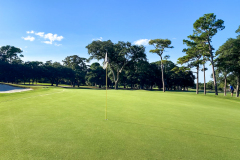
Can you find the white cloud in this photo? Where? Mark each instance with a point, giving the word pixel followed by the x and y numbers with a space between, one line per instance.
pixel 41 34
pixel 97 39
pixel 25 46
pixel 28 38
pixel 28 32
pixel 57 44
pixel 47 42
pixel 141 42
pixel 49 37
pixel 52 37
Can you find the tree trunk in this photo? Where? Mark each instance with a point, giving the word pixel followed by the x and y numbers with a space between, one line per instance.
pixel 214 80
pixel 237 89
pixel 212 63
pixel 204 79
pixel 116 85
pixel 162 76
pixel 52 81
pixel 115 78
pixel 225 85
pixel 197 80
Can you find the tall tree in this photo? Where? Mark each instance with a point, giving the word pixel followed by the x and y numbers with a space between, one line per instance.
pixel 96 75
pixel 229 59
pixel 9 53
pixel 206 27
pixel 78 65
pixel 160 45
pixel 193 57
pixel 119 54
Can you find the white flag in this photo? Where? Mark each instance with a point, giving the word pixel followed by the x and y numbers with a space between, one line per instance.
pixel 105 62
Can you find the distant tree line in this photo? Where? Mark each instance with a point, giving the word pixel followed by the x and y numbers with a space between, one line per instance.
pixel 128 68
pixel 128 65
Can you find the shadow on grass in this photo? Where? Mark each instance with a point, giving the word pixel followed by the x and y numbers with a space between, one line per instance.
pixel 129 89
pixel 110 88
pixel 201 91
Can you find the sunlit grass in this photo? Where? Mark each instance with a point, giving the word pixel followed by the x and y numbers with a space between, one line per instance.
pixel 65 123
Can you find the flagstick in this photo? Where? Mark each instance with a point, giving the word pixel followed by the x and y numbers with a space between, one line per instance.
pixel 106 97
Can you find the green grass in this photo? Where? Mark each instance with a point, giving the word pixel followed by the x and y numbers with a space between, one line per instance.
pixel 58 123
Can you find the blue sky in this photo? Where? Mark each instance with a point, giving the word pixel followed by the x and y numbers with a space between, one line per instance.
pixel 64 28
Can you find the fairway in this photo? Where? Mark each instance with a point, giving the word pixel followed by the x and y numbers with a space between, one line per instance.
pixel 59 123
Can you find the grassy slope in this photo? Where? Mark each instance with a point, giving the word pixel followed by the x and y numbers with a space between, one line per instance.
pixel 53 123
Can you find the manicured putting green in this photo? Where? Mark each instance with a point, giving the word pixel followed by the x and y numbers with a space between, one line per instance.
pixel 56 123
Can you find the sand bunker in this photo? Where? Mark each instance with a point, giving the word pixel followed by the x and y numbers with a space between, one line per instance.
pixel 11 89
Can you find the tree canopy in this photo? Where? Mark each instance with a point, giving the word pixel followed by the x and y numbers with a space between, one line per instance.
pixel 160 45
pixel 119 54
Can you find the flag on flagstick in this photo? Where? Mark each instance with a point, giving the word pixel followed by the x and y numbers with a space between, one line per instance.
pixel 105 61
pixel 105 67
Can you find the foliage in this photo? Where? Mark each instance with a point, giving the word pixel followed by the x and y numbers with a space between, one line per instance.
pixel 10 53
pixel 205 28
pixel 119 54
pixel 160 45
pixel 78 65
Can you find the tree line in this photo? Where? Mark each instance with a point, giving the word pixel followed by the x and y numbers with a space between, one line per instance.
pixel 128 65
pixel 129 68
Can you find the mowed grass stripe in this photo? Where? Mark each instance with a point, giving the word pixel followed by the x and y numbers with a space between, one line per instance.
pixel 141 125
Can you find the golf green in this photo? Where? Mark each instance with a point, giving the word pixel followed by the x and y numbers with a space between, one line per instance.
pixel 58 123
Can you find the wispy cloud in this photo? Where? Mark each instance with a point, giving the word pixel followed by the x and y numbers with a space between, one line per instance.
pixel 28 32
pixel 49 37
pixel 47 42
pixel 41 34
pixel 57 44
pixel 28 38
pixel 97 39
pixel 143 42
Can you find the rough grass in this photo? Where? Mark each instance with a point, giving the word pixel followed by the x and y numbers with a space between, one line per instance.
pixel 58 123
